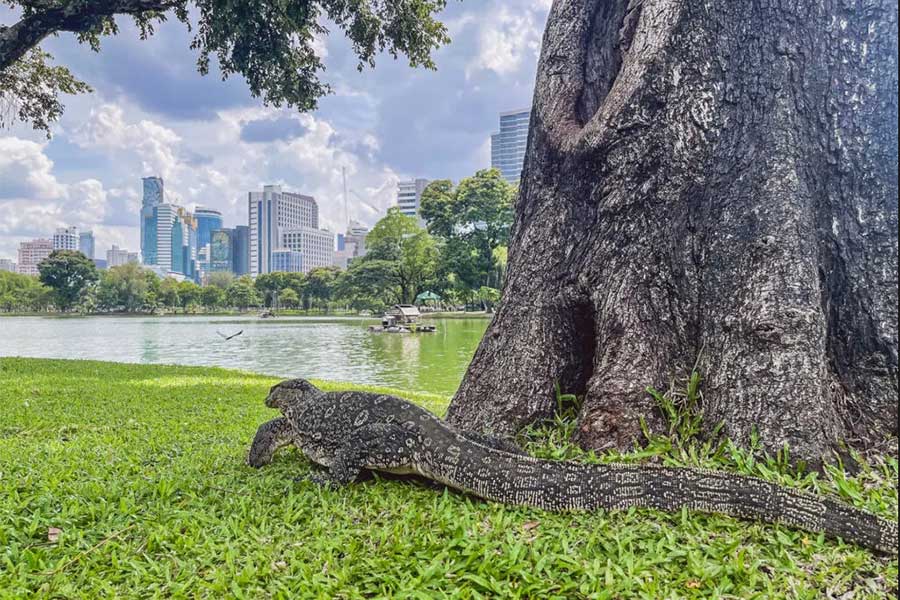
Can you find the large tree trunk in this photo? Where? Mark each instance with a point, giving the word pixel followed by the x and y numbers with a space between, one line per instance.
pixel 712 179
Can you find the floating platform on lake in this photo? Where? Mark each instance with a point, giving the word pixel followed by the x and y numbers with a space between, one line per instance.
pixel 391 329
pixel 399 329
pixel 402 318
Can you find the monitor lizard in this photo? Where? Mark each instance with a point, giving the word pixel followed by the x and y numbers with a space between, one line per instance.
pixel 348 432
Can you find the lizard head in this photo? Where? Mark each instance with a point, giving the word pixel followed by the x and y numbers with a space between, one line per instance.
pixel 290 392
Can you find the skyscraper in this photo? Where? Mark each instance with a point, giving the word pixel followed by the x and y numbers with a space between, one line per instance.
pixel 86 243
pixel 159 223
pixel 184 243
pixel 154 195
pixel 7 265
pixel 229 250
pixel 509 144
pixel 241 242
pixel 31 253
pixel 168 233
pixel 208 219
pixel 66 238
pixel 154 191
pixel 409 196
pixel 282 221
pixel 221 253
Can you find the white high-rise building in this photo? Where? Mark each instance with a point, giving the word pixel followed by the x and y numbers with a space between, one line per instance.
pixel 509 144
pixel 275 213
pixel 316 246
pixel 7 265
pixel 66 238
pixel 31 253
pixel 165 221
pixel 409 196
pixel 116 257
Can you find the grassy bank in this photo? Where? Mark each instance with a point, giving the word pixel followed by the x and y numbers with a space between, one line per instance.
pixel 141 469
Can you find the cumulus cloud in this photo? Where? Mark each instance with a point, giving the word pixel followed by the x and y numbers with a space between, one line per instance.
pixel 507 38
pixel 86 202
pixel 25 172
pixel 154 144
pixel 34 202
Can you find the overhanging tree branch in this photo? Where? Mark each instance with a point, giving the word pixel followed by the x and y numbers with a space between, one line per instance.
pixel 44 18
pixel 271 44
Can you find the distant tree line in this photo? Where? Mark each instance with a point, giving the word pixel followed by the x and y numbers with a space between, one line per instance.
pixel 460 258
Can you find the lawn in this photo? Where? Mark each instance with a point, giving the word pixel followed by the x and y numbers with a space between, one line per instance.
pixel 141 470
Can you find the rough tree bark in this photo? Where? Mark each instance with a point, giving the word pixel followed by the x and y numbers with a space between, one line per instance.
pixel 705 175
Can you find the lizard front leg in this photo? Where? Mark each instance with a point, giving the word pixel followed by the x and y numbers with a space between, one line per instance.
pixel 269 437
pixel 377 447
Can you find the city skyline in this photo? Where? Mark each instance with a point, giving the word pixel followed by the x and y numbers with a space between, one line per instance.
pixel 507 155
pixel 189 244
pixel 152 113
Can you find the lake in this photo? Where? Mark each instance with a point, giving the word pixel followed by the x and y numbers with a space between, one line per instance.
pixel 339 349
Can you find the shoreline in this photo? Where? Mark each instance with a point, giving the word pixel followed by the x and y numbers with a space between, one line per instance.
pixel 249 314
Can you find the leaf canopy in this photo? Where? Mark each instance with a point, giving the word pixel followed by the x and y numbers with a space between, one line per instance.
pixel 272 45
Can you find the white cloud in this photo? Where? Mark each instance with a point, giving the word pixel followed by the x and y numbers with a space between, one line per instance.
pixel 86 201
pixel 34 202
pixel 26 171
pixel 507 38
pixel 106 128
pixel 319 161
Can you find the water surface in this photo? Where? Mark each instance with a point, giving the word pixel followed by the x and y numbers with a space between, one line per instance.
pixel 340 349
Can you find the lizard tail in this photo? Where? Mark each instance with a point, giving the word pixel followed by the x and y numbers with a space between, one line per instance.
pixel 557 485
pixel 748 498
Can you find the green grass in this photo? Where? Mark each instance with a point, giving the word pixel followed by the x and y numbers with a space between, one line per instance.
pixel 141 468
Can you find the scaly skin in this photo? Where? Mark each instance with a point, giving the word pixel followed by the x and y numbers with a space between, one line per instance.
pixel 351 431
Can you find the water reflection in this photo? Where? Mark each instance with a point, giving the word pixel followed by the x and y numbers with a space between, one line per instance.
pixel 326 348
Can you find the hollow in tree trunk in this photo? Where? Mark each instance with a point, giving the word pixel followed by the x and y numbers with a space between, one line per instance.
pixel 705 176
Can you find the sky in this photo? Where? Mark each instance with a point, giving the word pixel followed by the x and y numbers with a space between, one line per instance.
pixel 152 113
